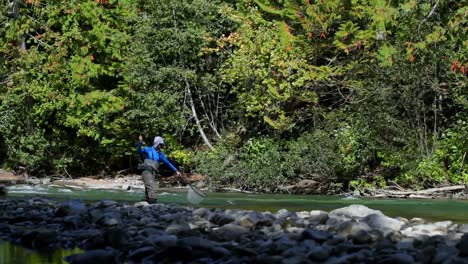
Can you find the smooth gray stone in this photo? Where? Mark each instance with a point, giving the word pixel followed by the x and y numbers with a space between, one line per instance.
pixel 383 223
pixel 354 211
pixel 351 228
pixel 319 253
pixel 319 236
pixel 71 207
pixel 178 228
pixel 318 216
pixel 398 258
pixel 97 256
pixel 230 232
pixel 110 218
pixel 196 242
pixel 137 255
pixel 105 203
pixel 220 219
pixel 201 212
pixel 361 237
pixel 162 240
pixel 251 219
pixel 463 228
pixel 463 246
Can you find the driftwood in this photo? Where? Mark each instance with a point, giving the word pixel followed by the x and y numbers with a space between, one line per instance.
pixel 421 194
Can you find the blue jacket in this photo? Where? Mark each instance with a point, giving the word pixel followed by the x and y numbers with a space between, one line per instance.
pixel 153 154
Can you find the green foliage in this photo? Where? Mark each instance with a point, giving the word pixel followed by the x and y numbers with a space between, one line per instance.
pixel 61 99
pixel 335 91
pixel 360 184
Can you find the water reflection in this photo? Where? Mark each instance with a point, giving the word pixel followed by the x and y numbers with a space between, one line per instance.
pixel 11 254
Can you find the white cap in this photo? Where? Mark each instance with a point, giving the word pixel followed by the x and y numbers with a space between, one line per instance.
pixel 158 141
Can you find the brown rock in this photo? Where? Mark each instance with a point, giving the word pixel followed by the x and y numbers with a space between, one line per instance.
pixel 306 187
pixel 9 177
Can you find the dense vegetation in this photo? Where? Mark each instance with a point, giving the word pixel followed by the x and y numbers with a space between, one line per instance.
pixel 256 94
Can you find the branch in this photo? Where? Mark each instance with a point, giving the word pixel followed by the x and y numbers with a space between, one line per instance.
pixel 197 121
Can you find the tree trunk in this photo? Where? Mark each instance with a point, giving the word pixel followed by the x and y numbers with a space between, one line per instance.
pixel 194 113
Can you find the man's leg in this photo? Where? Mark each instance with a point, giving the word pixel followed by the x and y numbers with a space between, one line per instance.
pixel 151 186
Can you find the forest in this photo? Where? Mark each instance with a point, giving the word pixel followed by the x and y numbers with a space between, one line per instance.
pixel 253 94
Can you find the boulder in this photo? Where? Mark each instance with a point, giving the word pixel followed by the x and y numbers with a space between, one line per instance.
pixel 352 228
pixel 71 207
pixel 317 216
pixel 10 178
pixel 352 212
pixel 250 220
pixel 383 223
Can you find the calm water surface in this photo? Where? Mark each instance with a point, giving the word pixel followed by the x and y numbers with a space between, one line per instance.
pixel 433 210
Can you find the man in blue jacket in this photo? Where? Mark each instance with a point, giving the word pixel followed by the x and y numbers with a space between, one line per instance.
pixel 153 157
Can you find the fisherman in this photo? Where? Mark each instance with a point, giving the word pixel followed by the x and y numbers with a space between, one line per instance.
pixel 153 157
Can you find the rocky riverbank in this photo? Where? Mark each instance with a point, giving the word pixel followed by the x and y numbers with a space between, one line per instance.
pixel 112 232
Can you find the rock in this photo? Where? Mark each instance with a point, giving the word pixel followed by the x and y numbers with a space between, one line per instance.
pixel 98 256
pixel 172 254
pixel 424 230
pixel 303 214
pixel 444 254
pixel 108 219
pixel 201 212
pixel 285 214
pixel 319 253
pixel 361 237
pixel 220 219
pixel 319 236
pixel 229 232
pixel 162 240
pixel 383 223
pixel 417 221
pixel 398 258
pixel 463 246
pixel 178 228
pixel 116 237
pixel 196 242
pixel 249 220
pixel 305 187
pixel 351 228
pixel 463 228
pixel 10 178
pixel 352 212
pixel 443 224
pixel 3 190
pixel 71 207
pixel 318 216
pixel 105 203
pixel 141 204
pixel 139 254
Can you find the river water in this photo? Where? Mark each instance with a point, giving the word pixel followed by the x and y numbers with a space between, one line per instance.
pixel 432 210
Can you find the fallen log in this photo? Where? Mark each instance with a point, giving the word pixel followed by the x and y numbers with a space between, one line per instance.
pixel 421 192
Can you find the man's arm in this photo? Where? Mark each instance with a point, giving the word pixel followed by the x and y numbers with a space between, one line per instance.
pixel 167 162
pixel 140 146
